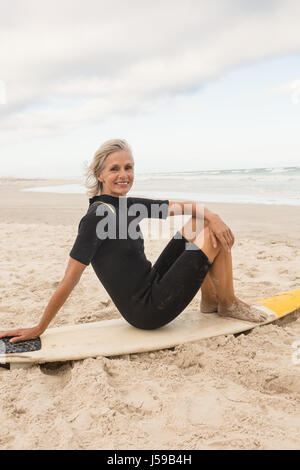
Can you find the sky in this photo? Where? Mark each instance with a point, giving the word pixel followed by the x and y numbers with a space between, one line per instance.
pixel 191 85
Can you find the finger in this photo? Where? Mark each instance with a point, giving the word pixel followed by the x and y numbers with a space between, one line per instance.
pixel 224 242
pixel 213 239
pixel 17 339
pixel 8 333
pixel 232 236
pixel 5 333
pixel 229 239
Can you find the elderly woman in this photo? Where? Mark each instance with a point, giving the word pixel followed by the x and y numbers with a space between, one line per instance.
pixel 109 237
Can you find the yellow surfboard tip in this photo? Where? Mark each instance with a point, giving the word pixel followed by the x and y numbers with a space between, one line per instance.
pixel 283 303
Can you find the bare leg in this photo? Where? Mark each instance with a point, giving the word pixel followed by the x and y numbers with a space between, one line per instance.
pixel 222 277
pixel 209 298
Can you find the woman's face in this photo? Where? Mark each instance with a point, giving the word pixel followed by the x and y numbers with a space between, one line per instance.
pixel 118 174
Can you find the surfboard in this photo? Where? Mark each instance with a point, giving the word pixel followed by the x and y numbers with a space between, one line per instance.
pixel 117 337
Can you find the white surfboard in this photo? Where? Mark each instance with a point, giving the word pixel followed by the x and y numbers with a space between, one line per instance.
pixel 117 337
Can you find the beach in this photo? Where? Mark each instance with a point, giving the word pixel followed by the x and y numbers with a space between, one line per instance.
pixel 229 392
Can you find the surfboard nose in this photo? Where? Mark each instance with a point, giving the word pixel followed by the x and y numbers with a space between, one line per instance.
pixel 282 304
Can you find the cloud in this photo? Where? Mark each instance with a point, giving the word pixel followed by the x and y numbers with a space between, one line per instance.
pixel 68 64
pixel 291 88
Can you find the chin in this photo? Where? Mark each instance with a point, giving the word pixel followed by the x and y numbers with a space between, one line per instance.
pixel 123 192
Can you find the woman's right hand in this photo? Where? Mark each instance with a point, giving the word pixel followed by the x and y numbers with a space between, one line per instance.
pixel 21 334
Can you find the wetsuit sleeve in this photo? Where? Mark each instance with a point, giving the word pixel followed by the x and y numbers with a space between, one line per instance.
pixel 87 241
pixel 150 208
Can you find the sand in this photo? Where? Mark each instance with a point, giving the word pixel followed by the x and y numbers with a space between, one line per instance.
pixel 230 392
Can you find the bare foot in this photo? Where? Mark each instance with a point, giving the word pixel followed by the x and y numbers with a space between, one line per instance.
pixel 242 311
pixel 209 305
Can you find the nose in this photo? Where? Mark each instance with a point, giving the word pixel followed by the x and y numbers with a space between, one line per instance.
pixel 123 173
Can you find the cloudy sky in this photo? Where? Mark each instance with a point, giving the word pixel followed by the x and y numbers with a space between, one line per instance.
pixel 192 85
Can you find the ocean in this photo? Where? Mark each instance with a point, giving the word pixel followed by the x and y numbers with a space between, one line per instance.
pixel 280 186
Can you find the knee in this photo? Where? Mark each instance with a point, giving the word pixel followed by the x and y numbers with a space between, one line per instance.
pixel 204 241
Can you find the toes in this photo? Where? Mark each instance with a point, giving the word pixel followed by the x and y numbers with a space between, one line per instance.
pixel 258 316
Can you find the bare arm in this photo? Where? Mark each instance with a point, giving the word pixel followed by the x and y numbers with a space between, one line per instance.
pixel 193 208
pixel 218 229
pixel 72 276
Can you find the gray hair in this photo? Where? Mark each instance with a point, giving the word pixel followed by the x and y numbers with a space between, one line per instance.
pixel 93 170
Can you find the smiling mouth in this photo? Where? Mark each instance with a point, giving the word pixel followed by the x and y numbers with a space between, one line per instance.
pixel 123 183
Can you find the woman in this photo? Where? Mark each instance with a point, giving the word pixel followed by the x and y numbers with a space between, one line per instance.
pixel 109 238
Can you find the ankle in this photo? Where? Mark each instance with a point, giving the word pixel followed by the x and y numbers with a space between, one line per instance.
pixel 209 300
pixel 227 302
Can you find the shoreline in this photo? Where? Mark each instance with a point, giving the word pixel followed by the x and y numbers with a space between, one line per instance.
pixel 26 207
pixel 185 191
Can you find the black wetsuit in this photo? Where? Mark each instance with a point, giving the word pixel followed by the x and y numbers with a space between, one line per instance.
pixel 110 238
